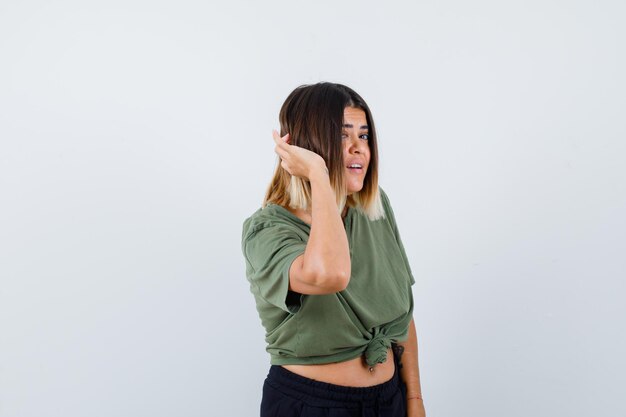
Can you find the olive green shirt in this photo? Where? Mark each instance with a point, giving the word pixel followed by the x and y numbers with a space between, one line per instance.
pixel 373 311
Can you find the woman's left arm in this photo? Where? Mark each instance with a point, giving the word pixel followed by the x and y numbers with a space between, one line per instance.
pixel 410 374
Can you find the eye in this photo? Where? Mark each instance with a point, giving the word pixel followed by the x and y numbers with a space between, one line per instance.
pixel 365 136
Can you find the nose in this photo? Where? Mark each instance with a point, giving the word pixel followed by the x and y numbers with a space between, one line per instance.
pixel 355 144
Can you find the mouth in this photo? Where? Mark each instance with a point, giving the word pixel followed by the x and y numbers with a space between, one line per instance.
pixel 355 169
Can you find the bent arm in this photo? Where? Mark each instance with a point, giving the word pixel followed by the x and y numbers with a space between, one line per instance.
pixel 324 267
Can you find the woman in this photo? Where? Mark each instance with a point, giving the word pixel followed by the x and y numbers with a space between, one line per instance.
pixel 328 270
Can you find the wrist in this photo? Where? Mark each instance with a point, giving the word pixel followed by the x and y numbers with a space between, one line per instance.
pixel 319 173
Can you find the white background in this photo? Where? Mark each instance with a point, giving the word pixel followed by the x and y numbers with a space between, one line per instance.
pixel 135 138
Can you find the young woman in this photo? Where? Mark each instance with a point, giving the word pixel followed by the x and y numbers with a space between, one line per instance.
pixel 328 271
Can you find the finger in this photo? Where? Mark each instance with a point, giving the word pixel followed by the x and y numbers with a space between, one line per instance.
pixel 282 142
pixel 276 136
pixel 281 152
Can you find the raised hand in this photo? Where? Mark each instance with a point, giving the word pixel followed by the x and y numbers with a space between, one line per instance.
pixel 297 161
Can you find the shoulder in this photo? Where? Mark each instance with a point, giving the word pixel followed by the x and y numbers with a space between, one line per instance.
pixel 383 195
pixel 386 203
pixel 270 216
pixel 384 198
pixel 262 217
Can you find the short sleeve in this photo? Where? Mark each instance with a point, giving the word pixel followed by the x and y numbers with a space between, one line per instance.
pixel 392 220
pixel 269 251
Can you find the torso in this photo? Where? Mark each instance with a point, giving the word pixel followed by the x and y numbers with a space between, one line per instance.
pixel 352 373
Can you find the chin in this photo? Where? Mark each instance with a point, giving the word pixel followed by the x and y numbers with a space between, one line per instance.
pixel 354 190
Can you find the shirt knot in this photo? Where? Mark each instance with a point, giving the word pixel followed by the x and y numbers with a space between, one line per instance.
pixel 376 351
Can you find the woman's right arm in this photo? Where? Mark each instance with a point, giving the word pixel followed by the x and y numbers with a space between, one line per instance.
pixel 324 267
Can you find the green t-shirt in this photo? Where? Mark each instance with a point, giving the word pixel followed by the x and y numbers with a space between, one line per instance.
pixel 373 311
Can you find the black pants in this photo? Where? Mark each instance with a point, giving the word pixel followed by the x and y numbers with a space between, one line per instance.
pixel 286 394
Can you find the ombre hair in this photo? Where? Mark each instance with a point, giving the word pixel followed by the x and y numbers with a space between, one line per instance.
pixel 313 116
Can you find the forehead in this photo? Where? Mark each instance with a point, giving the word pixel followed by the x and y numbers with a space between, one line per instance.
pixel 354 116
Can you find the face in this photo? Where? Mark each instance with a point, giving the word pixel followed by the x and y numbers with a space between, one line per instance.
pixel 356 150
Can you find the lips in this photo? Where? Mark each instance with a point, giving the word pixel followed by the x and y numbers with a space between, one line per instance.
pixel 356 169
pixel 355 161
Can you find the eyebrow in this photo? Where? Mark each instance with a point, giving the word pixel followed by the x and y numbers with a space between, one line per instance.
pixel 349 126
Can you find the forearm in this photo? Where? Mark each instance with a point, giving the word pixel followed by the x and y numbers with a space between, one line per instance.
pixel 410 366
pixel 327 252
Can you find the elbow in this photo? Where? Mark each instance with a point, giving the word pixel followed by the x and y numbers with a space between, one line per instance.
pixel 339 281
pixel 331 283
